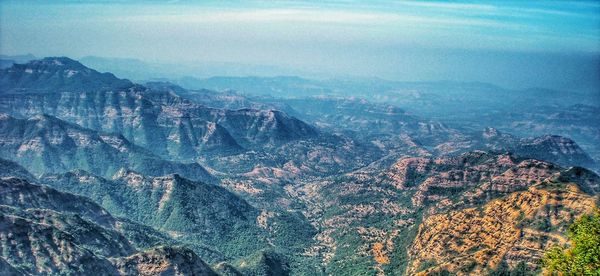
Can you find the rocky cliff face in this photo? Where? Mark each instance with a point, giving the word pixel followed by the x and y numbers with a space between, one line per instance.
pixel 160 120
pixel 371 190
pixel 469 177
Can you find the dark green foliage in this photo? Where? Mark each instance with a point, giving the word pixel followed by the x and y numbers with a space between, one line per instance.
pixel 583 257
pixel 442 272
pixel 427 264
pixel 263 263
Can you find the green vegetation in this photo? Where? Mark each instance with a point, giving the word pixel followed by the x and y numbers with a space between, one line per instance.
pixel 583 257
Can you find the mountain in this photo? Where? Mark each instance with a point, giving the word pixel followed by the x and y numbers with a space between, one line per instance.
pixel 169 203
pixel 280 86
pixel 219 99
pixel 50 232
pixel 24 58
pixel 458 105
pixel 8 61
pixel 512 231
pixel 216 223
pixel 209 220
pixel 382 124
pixel 162 121
pixel 137 69
pixel 368 219
pixel 57 74
pixel 554 148
pixel 163 260
pixel 45 144
pixel 368 119
pixel 12 169
pixel 286 176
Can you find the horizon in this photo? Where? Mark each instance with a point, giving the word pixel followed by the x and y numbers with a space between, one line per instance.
pixel 514 45
pixel 307 76
pixel 296 137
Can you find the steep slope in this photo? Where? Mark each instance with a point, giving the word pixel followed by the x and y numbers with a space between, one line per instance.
pixel 158 200
pixel 157 119
pixel 252 126
pixel 45 144
pixel 553 148
pixel 163 261
pixel 46 232
pixel 368 218
pixel 53 74
pixel 195 212
pixel 514 229
pixel 11 169
pixel 24 239
pixel 20 193
pixel 217 224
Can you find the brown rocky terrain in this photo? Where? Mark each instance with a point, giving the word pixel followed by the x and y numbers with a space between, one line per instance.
pixel 516 228
pixel 380 212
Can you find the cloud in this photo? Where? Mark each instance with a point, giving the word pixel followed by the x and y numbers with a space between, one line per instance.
pixel 318 16
pixel 450 6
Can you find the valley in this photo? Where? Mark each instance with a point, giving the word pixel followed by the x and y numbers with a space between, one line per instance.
pixel 285 175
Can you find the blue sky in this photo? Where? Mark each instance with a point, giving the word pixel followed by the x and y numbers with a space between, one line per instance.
pixel 515 44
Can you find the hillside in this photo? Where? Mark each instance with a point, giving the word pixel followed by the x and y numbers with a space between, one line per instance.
pixel 47 232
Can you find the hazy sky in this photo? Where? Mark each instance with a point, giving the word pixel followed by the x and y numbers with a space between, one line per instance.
pixel 552 44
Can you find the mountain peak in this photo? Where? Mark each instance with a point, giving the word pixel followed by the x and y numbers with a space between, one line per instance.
pixel 57 74
pixel 58 61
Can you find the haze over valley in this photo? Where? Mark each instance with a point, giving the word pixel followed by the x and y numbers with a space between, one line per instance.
pixel 299 138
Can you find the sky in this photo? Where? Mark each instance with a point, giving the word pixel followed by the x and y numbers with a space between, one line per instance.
pixel 520 44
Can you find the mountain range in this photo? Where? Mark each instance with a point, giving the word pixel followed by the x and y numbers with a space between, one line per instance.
pixel 103 175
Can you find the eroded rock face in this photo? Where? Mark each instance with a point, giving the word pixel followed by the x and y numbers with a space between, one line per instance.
pixel 165 123
pixel 513 229
pixel 473 174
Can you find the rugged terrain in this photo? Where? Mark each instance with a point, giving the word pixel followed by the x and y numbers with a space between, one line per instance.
pixel 284 177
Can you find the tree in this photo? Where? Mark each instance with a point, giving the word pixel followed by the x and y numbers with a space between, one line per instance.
pixel 583 257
